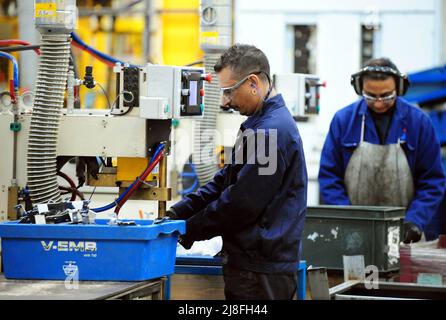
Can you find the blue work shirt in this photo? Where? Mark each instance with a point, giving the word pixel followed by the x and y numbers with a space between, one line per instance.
pixel 420 145
pixel 260 217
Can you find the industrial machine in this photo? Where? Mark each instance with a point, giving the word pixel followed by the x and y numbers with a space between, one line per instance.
pixel 301 93
pixel 135 131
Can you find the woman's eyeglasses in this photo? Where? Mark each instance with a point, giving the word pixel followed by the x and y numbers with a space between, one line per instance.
pixel 385 99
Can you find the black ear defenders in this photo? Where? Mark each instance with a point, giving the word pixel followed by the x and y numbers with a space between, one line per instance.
pixel 402 81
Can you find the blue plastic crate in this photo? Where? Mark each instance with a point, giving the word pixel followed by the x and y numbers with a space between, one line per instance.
pixel 97 252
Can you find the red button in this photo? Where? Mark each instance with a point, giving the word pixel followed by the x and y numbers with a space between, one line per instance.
pixel 208 77
pixel 202 92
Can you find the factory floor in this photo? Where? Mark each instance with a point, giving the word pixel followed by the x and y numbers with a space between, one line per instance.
pixel 210 287
pixel 196 287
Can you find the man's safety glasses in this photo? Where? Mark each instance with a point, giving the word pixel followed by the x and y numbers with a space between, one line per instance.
pixel 384 99
pixel 228 91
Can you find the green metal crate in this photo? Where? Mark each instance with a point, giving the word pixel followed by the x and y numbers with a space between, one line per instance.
pixel 333 231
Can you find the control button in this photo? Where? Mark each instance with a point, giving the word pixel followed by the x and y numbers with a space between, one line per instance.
pixel 202 92
pixel 207 77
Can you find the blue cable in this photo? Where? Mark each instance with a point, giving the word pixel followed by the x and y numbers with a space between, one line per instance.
pixel 15 66
pixel 191 189
pixel 113 204
pixel 104 56
pixel 188 175
pixel 192 174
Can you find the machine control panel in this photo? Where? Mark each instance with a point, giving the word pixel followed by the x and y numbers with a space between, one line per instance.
pixel 301 93
pixel 168 92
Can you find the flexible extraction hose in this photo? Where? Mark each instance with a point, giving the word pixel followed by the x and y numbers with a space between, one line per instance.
pixel 49 98
pixel 204 139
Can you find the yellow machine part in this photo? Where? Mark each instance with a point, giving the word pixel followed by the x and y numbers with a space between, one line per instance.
pixel 180 38
pixel 130 168
pixel 92 98
pixel 181 32
pixel 9 30
pixel 125 43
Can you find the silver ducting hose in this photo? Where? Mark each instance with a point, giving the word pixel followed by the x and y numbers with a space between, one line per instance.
pixel 204 139
pixel 49 98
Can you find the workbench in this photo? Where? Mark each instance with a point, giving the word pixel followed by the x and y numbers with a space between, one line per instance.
pixel 207 265
pixel 87 290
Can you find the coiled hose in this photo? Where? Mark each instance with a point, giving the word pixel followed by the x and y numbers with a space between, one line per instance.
pixel 49 98
pixel 204 138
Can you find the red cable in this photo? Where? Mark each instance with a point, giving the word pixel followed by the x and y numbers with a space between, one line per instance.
pixel 9 42
pixel 139 181
pixel 71 183
pixel 12 91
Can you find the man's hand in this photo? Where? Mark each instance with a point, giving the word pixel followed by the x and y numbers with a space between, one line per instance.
pixel 411 233
pixel 183 239
pixel 172 214
pixel 185 242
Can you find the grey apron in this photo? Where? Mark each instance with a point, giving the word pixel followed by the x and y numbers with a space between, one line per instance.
pixel 379 175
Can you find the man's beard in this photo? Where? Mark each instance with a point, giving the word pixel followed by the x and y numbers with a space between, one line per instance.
pixel 236 108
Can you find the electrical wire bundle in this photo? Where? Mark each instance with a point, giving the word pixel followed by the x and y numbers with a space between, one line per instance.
pixel 14 82
pixel 122 199
pixel 23 45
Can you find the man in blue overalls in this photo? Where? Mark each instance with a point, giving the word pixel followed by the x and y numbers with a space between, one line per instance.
pixel 383 151
pixel 259 214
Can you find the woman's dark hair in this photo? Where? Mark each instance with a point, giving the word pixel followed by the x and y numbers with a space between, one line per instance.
pixel 379 62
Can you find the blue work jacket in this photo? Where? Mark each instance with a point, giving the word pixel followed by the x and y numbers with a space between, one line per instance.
pixel 260 217
pixel 420 145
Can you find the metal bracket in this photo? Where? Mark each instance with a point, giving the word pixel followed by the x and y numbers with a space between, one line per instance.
pixel 158 194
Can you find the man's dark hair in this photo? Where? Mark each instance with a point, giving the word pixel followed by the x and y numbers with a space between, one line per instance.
pixel 243 59
pixel 379 62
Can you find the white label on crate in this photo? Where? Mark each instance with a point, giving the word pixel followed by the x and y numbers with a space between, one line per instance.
pixel 42 208
pixel 393 241
pixel 40 219
pixel 71 271
pixel 354 267
pixel 430 279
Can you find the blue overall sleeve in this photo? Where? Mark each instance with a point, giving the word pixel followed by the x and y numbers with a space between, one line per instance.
pixel 195 202
pixel 331 171
pixel 239 205
pixel 428 177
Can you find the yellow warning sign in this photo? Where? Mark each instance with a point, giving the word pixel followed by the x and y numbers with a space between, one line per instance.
pixel 209 37
pixel 45 10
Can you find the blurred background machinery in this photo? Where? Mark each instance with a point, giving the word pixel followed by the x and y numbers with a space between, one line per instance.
pixel 111 145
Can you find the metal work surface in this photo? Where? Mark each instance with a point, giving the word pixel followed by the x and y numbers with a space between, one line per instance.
pixel 87 290
pixel 353 290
